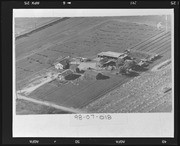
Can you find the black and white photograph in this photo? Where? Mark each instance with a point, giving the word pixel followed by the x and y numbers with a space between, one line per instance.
pixel 120 64
pixel 115 64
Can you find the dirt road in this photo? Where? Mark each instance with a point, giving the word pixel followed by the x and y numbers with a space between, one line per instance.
pixel 71 110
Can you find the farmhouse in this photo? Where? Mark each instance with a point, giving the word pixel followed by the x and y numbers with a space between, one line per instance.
pixel 63 64
pixel 64 74
pixel 111 55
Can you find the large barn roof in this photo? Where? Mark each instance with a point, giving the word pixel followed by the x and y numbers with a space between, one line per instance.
pixel 110 54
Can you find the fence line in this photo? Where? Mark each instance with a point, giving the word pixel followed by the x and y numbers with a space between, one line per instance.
pixel 39 27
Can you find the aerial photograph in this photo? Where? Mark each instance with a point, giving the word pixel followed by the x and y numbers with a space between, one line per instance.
pixel 112 64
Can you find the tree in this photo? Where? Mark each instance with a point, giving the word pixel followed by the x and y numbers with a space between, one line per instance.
pixel 66 64
pixel 119 62
pixel 79 71
pixel 129 64
pixel 122 69
pixel 100 76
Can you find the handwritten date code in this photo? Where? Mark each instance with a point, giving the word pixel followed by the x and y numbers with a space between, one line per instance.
pixel 91 117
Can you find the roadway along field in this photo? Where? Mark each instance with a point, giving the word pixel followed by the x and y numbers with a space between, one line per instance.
pixel 25 107
pixel 49 104
pixel 111 35
pixel 23 25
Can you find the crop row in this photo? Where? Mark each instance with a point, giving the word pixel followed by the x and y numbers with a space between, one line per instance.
pixel 133 96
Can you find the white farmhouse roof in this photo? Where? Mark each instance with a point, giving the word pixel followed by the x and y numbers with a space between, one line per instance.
pixel 110 54
pixel 58 66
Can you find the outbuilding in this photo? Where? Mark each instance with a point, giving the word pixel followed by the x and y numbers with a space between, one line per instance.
pixel 111 55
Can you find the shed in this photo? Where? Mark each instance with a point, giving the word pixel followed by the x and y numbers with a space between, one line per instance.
pixel 110 54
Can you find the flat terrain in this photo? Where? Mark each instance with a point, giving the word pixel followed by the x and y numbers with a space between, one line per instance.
pixel 25 24
pixel 76 96
pixel 149 20
pixel 142 94
pixel 85 37
pixel 24 107
pixel 76 37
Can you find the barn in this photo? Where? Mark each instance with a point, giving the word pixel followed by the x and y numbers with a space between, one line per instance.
pixel 111 55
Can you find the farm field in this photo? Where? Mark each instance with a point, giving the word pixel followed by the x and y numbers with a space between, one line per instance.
pixel 53 35
pixel 149 20
pixel 90 90
pixel 86 37
pixel 25 24
pixel 76 96
pixel 103 37
pixel 142 94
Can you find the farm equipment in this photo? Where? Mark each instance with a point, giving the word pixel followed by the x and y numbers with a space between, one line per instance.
pixel 153 57
pixel 143 63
